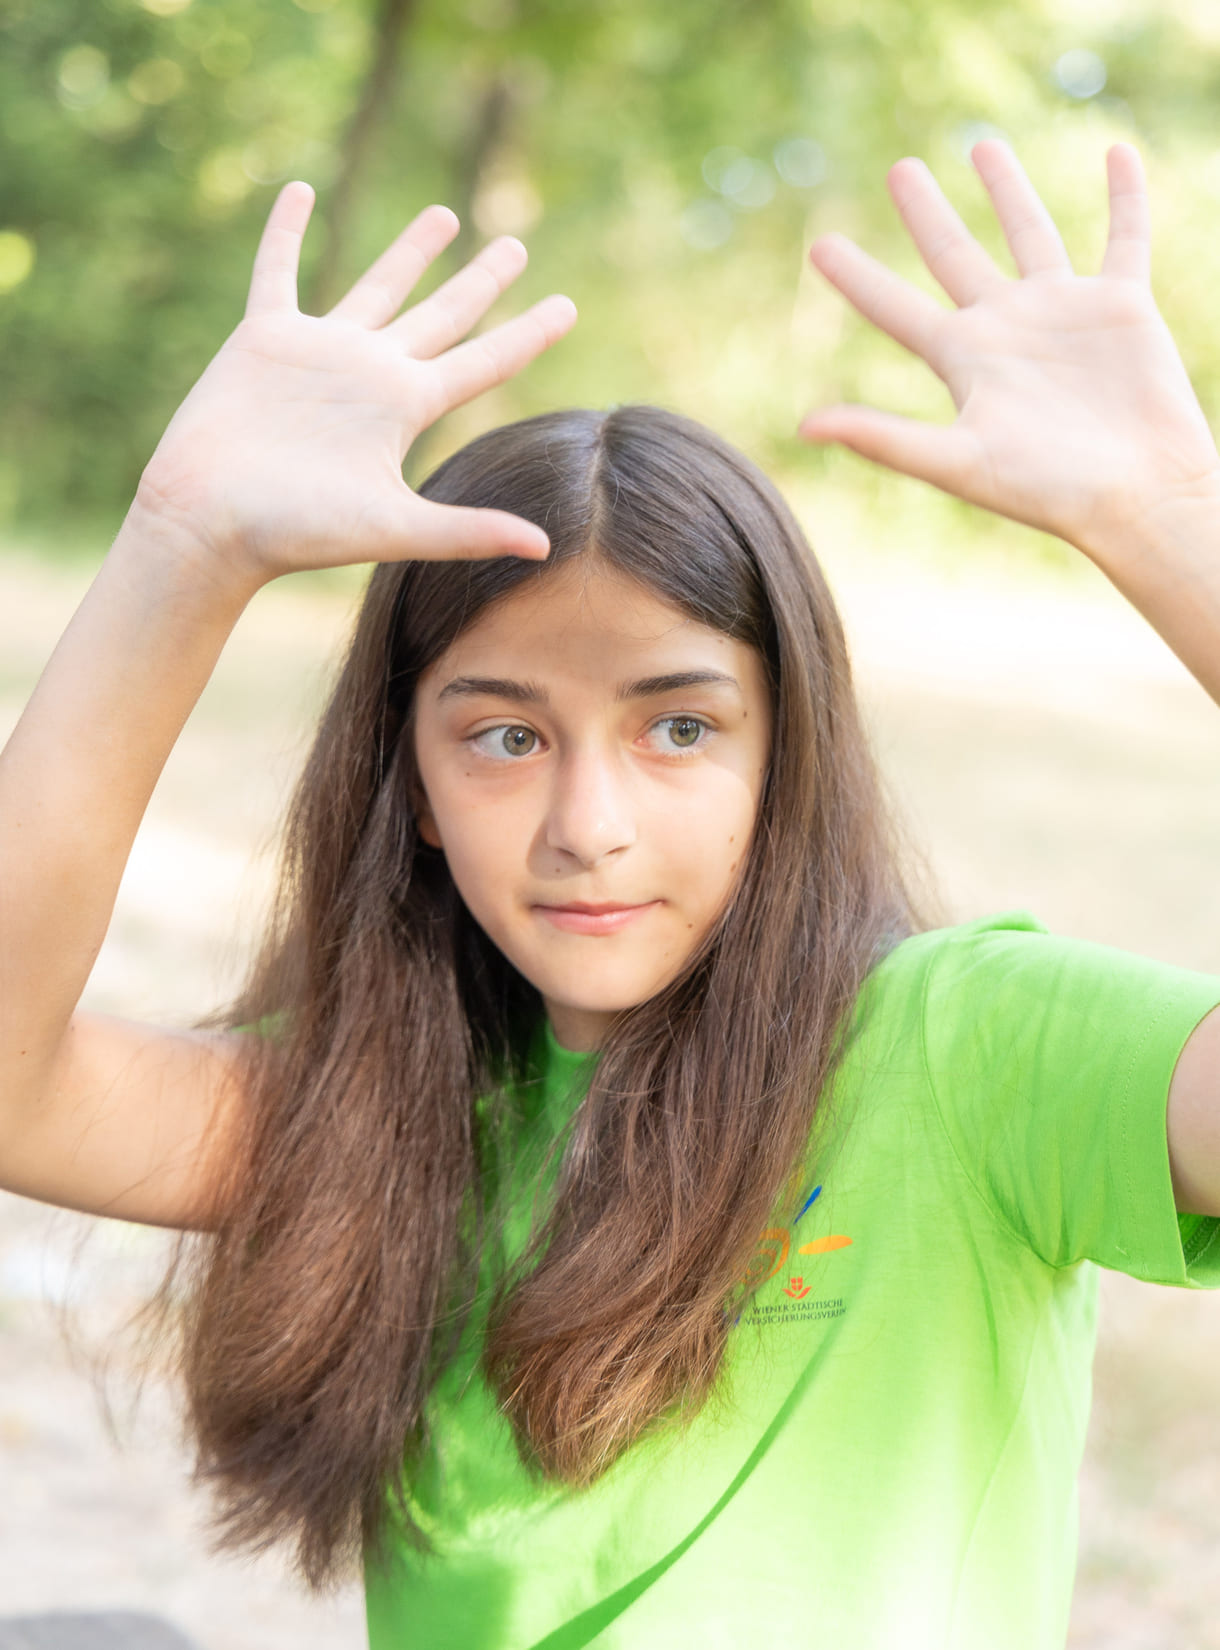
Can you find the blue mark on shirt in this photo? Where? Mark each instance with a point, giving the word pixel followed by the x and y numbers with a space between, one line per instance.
pixel 810 1199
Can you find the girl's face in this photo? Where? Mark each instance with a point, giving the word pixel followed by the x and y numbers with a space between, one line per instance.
pixel 592 761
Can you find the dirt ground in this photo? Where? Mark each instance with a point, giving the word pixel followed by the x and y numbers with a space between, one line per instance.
pixel 1050 754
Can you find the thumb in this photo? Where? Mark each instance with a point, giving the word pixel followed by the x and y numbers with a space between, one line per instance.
pixel 935 453
pixel 423 530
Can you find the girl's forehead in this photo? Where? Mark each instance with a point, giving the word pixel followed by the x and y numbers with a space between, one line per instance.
pixel 581 607
pixel 589 626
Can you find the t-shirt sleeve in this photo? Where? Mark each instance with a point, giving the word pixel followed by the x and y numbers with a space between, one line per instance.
pixel 1049 1061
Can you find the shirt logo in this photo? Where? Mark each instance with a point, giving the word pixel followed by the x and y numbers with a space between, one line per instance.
pixel 770 1258
pixel 774 1245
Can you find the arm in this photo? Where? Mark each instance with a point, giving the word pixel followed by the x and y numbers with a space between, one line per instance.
pixel 95 1113
pixel 286 454
pixel 1075 415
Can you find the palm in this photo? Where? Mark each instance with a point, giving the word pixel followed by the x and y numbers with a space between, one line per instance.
pixel 288 451
pixel 1074 409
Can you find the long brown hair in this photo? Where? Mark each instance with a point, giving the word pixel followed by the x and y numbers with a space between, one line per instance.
pixel 339 1287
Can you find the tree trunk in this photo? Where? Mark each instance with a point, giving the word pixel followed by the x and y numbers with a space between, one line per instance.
pixel 487 135
pixel 377 94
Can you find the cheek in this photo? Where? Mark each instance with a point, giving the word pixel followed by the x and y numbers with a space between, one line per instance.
pixel 707 849
pixel 483 843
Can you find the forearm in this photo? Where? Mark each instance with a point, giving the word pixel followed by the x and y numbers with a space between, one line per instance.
pixel 1167 564
pixel 78 772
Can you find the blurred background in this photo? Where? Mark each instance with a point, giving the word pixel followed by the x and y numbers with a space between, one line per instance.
pixel 667 166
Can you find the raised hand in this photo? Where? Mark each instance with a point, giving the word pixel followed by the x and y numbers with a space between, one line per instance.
pixel 288 451
pixel 1074 411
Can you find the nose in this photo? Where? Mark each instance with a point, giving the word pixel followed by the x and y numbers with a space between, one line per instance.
pixel 591 813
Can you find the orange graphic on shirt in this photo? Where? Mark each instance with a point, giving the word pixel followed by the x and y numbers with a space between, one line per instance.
pixel 819 1246
pixel 773 1247
pixel 772 1254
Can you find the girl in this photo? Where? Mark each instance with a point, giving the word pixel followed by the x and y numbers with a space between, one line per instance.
pixel 627 1222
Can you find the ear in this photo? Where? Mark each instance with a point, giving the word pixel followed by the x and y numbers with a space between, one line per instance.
pixel 425 821
pixel 421 807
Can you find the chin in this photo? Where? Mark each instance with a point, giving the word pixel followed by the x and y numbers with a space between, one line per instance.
pixel 609 1002
pixel 612 998
pixel 594 986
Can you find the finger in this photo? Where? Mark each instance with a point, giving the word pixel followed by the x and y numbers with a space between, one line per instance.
pixel 936 453
pixel 427 531
pixel 1029 229
pixel 382 290
pixel 444 318
pixel 948 248
pixel 909 316
pixel 273 283
pixel 1129 247
pixel 484 362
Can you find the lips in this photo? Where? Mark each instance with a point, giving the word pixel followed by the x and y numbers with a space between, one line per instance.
pixel 581 917
pixel 591 910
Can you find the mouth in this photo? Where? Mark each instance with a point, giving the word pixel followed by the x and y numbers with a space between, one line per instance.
pixel 590 910
pixel 582 918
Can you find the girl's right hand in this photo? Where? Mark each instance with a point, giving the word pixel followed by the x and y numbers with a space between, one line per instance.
pixel 288 452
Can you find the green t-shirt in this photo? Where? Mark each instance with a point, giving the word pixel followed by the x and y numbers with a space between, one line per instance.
pixel 893 1457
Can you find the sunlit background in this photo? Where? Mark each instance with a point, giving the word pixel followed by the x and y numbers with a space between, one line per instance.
pixel 667 166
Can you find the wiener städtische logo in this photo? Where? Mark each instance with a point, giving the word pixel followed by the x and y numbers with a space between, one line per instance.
pixel 775 1247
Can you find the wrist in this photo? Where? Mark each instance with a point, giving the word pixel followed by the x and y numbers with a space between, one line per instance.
pixel 1165 559
pixel 173 553
pixel 1175 531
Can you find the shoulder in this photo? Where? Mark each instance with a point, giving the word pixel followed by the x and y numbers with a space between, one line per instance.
pixel 985 987
pixel 1013 952
pixel 963 958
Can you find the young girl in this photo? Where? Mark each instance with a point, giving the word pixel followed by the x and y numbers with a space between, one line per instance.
pixel 627 1223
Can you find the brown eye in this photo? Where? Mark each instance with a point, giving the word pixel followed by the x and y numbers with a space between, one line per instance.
pixel 504 740
pixel 519 741
pixel 684 731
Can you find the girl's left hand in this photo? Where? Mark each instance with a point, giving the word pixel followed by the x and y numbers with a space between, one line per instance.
pixel 1074 411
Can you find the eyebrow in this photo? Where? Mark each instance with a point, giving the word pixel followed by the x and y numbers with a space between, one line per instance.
pixel 503 687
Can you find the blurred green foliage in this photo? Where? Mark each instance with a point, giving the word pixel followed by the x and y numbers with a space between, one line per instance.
pixel 666 164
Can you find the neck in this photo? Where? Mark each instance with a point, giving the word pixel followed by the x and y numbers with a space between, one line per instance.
pixel 580 1030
